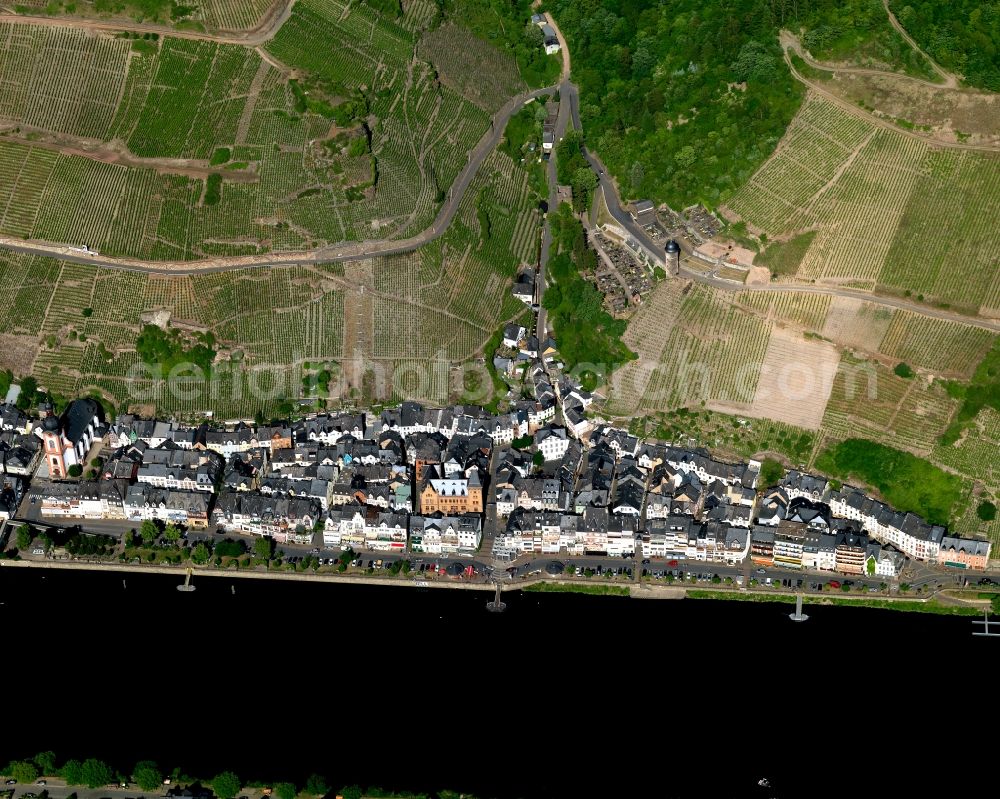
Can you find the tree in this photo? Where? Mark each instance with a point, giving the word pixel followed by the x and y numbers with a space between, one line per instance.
pixel 533 36
pixel 72 772
pixel 686 156
pixel 226 785
pixel 149 531
pixel 172 533
pixel 75 470
pixel 986 511
pixel 771 471
pixel 200 554
pixel 538 459
pixel 316 785
pixel 351 792
pixel 584 182
pixel 46 762
pixel 285 790
pixel 29 388
pixel 25 536
pixel 147 775
pixel 95 773
pixel 635 177
pixel 22 771
pixel 263 548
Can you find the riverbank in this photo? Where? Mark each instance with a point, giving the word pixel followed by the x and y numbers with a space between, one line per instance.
pixel 930 604
pixel 907 604
pixel 207 571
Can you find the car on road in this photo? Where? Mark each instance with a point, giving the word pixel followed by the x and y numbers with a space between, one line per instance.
pixel 672 563
pixel 833 584
pixel 761 571
pixel 41 782
pixel 645 561
pixel 11 782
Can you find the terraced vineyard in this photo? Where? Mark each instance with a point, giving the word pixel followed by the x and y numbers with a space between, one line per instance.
pixel 407 316
pixel 892 213
pixel 700 354
pixel 214 15
pixel 292 177
pixel 232 15
pixel 808 311
pixel 472 67
pixel 944 347
pixel 45 87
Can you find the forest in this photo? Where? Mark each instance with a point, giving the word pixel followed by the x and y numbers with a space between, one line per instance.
pixel 684 99
pixel 589 337
pixel 961 35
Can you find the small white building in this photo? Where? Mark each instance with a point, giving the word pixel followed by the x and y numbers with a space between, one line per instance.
pixel 552 442
pixel 550 39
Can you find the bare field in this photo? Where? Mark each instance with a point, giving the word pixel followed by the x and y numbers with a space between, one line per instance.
pixel 950 115
pixel 796 380
pixel 855 323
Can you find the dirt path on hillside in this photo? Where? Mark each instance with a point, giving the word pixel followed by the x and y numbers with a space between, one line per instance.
pixel 117 152
pixel 871 118
pixel 950 81
pixel 262 32
pixel 789 41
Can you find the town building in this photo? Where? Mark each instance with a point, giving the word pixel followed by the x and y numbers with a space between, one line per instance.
pixel 67 440
pixel 452 496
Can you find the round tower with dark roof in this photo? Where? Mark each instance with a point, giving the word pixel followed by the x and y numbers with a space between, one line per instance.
pixel 673 253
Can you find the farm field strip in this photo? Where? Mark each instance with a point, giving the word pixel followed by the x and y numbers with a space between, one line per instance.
pixel 60 78
pixel 944 347
pixel 891 212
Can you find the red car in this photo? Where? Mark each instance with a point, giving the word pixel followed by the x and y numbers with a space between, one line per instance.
pixel 833 584
pixel 672 563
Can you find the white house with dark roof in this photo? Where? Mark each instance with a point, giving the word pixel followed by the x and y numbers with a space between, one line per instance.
pixel 550 39
pixel 512 335
pixel 552 442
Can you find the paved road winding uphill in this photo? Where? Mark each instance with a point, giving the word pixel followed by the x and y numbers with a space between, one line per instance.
pixel 569 113
pixel 570 94
pixel 345 251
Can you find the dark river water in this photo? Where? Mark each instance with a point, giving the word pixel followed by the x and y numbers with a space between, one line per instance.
pixel 561 696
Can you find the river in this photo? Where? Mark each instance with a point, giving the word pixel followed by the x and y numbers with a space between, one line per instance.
pixel 423 689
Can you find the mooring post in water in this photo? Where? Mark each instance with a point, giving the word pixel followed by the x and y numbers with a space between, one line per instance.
pixel 187 582
pixel 798 615
pixel 496 606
